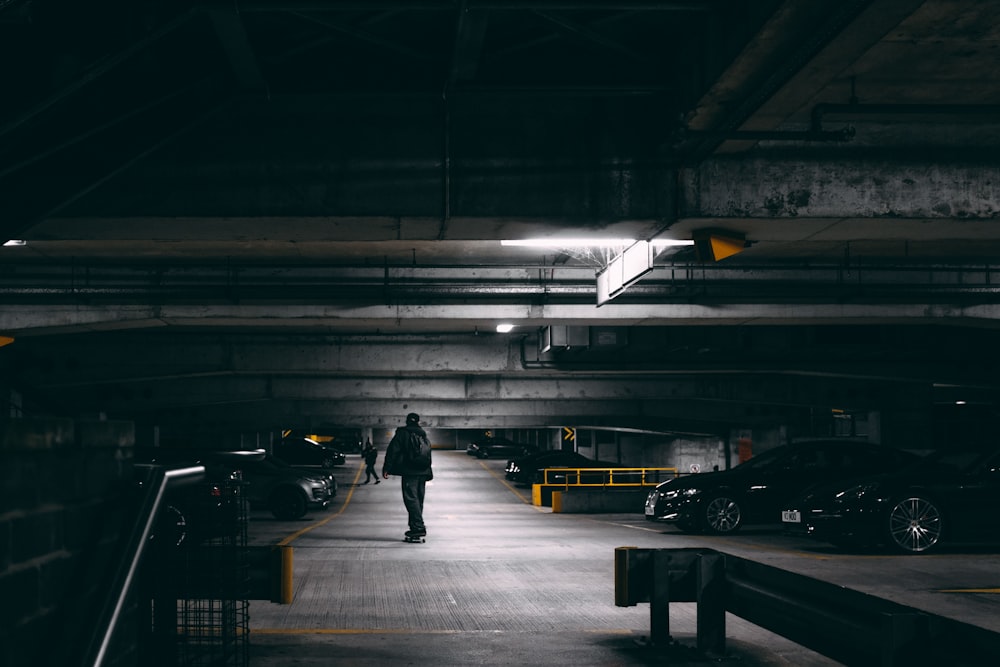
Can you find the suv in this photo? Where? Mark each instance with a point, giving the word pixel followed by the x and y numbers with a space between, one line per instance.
pixel 284 490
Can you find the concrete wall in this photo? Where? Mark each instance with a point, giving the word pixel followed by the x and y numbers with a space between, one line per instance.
pixel 56 476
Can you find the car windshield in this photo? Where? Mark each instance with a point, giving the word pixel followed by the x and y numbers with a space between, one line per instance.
pixel 961 460
pixel 765 460
pixel 278 462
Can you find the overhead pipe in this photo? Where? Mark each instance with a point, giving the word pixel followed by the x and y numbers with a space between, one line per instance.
pixel 856 109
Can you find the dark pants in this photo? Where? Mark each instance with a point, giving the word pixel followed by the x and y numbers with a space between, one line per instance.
pixel 370 472
pixel 413 500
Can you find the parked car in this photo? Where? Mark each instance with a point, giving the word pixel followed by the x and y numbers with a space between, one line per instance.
pixel 487 448
pixel 210 508
pixel 757 490
pixel 530 469
pixel 309 471
pixel 286 491
pixel 950 497
pixel 308 452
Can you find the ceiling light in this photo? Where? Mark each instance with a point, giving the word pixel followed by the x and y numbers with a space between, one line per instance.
pixel 505 328
pixel 588 243
pixel 15 242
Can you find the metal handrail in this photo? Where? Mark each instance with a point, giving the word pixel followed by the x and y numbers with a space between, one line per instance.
pixel 157 480
pixel 627 477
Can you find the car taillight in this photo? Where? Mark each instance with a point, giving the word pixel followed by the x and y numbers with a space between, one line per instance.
pixel 215 491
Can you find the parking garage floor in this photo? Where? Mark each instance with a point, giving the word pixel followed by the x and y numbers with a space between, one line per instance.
pixel 498 582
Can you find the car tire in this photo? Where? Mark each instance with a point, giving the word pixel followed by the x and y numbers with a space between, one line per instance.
pixel 328 463
pixel 914 525
pixel 483 455
pixel 287 504
pixel 171 527
pixel 722 515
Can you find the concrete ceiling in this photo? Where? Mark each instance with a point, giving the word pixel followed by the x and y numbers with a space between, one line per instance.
pixel 262 214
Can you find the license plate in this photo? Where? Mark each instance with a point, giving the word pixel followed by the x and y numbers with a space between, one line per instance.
pixel 650 509
pixel 791 516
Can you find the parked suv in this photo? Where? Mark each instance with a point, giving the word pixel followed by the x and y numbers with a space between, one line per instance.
pixel 284 490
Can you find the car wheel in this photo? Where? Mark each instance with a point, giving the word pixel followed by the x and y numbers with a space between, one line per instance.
pixel 723 515
pixel 484 455
pixel 171 527
pixel 287 504
pixel 915 525
pixel 328 463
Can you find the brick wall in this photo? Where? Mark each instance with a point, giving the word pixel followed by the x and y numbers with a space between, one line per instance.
pixel 58 479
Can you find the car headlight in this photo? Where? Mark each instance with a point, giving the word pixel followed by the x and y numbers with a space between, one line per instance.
pixel 680 493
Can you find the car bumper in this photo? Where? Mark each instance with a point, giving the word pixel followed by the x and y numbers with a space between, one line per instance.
pixel 860 527
pixel 673 511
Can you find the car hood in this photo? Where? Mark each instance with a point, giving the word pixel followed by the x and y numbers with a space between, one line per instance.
pixel 700 480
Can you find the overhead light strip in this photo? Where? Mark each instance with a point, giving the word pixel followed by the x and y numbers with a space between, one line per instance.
pixel 590 243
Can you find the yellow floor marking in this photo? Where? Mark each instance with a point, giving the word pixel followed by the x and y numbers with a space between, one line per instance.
pixel 970 590
pixel 520 496
pixel 296 535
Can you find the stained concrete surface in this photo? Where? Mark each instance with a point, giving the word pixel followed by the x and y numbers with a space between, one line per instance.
pixel 498 582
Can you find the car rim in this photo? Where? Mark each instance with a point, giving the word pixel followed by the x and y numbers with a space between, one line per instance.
pixel 723 515
pixel 915 524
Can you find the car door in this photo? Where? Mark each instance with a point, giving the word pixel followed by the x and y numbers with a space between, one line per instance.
pixel 769 487
pixel 970 500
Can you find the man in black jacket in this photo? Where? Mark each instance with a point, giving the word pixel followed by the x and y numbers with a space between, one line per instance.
pixel 415 473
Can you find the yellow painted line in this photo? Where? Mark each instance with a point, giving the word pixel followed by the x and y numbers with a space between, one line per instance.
pixel 513 489
pixel 993 591
pixel 347 499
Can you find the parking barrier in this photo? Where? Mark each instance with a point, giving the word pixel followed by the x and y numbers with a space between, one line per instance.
pixel 846 625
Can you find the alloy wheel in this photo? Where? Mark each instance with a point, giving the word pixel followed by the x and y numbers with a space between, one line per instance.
pixel 915 525
pixel 723 515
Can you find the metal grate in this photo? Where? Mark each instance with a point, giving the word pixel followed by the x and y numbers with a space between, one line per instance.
pixel 199 585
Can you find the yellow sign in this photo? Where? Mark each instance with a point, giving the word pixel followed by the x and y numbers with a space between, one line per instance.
pixel 569 434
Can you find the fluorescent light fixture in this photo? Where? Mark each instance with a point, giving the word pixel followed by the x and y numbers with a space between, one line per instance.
pixel 590 243
pixel 15 242
pixel 505 328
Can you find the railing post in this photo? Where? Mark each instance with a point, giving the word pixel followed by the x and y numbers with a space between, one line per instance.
pixel 711 609
pixel 659 598
pixel 901 634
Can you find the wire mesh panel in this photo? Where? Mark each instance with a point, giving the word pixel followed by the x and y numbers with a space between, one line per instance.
pixel 198 580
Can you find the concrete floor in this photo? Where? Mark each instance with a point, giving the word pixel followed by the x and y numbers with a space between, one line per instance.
pixel 498 582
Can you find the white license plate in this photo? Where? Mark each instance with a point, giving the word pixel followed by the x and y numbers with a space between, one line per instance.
pixel 650 509
pixel 791 516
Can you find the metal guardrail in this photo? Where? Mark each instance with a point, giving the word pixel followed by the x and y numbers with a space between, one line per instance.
pixel 606 477
pixel 846 625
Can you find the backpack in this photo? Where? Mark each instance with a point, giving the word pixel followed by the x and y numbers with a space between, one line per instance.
pixel 418 451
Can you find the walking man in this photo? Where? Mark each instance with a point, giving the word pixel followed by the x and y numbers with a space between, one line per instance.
pixel 409 456
pixel 370 455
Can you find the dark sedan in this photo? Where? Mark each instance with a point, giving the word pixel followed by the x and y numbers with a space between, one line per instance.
pixel 487 448
pixel 757 490
pixel 308 452
pixel 948 497
pixel 530 469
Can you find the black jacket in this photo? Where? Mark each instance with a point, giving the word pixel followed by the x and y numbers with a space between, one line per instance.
pixel 393 462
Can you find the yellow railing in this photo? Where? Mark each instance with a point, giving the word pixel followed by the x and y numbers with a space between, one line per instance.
pixel 607 477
